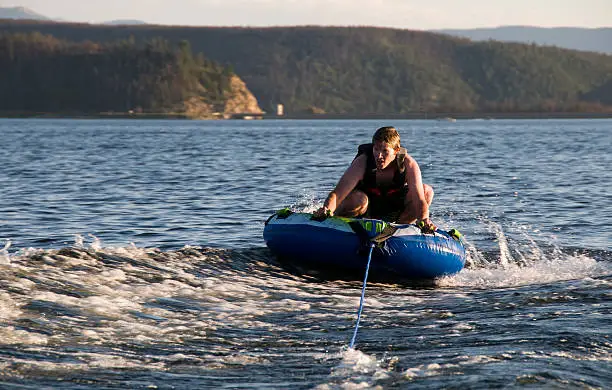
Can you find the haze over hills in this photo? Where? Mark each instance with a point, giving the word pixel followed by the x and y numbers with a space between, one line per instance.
pixel 585 39
pixel 125 22
pixel 20 13
pixel 575 38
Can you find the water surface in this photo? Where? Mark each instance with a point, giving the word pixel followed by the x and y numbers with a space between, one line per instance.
pixel 133 258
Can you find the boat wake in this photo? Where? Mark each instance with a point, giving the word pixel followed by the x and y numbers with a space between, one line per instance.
pixel 521 260
pixel 88 309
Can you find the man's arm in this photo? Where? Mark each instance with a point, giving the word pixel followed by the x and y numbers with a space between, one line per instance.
pixel 420 208
pixel 346 184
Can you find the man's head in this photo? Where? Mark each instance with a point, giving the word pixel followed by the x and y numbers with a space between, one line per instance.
pixel 386 142
pixel 388 135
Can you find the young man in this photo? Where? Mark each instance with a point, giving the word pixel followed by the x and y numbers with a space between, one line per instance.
pixel 383 182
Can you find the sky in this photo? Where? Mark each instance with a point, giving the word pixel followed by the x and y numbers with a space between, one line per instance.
pixel 409 14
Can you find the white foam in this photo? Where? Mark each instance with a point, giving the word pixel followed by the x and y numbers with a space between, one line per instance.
pixel 79 241
pixel 305 202
pixel 244 359
pixel 462 327
pixel 504 251
pixel 477 359
pixel 96 244
pixel 423 370
pixel 9 309
pixel 96 360
pixel 5 257
pixel 544 270
pixel 356 370
pixel 124 299
pixel 10 336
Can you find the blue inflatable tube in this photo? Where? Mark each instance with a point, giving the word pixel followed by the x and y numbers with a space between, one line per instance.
pixel 342 244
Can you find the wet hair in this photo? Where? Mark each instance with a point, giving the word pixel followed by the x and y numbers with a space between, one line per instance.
pixel 388 135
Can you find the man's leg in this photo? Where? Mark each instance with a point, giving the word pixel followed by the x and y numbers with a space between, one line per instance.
pixel 411 207
pixel 354 205
pixel 429 193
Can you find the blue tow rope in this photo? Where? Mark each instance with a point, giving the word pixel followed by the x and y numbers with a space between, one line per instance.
pixel 365 280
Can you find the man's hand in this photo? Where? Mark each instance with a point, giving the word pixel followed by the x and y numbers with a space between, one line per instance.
pixel 322 213
pixel 426 226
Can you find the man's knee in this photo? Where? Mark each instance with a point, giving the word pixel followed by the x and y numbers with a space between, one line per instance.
pixel 355 204
pixel 359 202
pixel 429 193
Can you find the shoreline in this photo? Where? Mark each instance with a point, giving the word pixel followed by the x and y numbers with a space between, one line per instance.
pixel 448 116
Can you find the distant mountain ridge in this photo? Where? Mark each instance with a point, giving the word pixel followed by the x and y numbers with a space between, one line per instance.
pixel 20 13
pixel 125 22
pixel 575 38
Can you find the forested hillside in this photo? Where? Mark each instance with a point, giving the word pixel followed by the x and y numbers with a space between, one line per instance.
pixel 361 70
pixel 40 73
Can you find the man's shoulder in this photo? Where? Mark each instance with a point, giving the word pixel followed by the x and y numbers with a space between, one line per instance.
pixel 361 159
pixel 364 149
pixel 408 159
pixel 410 162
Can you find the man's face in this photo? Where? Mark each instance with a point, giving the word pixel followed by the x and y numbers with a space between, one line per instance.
pixel 383 155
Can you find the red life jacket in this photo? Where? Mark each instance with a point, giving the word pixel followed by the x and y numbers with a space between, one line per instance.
pixel 397 187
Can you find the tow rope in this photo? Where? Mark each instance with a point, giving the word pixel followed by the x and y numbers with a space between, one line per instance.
pixel 363 289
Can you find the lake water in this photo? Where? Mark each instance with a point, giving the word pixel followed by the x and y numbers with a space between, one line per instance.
pixel 133 258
